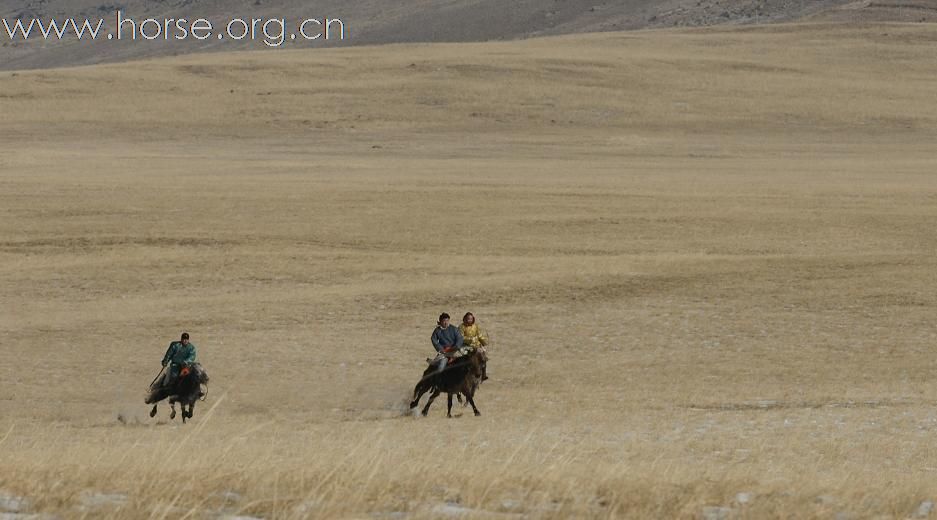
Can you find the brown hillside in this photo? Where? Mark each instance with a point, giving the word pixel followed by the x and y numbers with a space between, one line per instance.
pixel 379 22
pixel 882 11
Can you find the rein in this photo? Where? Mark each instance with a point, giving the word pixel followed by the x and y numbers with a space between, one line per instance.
pixel 158 376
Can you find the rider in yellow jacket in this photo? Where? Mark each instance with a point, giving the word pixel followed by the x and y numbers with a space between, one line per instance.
pixel 476 338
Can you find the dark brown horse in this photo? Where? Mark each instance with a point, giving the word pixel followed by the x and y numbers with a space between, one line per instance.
pixel 459 377
pixel 186 390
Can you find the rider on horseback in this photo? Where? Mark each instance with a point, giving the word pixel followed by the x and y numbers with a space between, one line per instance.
pixel 447 340
pixel 475 338
pixel 180 356
pixel 185 381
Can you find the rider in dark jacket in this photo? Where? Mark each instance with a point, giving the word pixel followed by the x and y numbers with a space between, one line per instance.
pixel 446 339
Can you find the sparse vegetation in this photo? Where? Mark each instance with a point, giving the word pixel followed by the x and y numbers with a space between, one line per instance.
pixel 706 260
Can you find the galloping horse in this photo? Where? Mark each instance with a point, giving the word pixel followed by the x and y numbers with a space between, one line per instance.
pixel 460 377
pixel 186 390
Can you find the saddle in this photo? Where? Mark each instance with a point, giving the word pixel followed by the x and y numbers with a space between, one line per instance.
pixel 193 371
pixel 454 355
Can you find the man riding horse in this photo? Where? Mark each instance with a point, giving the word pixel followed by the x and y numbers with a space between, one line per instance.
pixel 447 340
pixel 456 370
pixel 179 355
pixel 181 380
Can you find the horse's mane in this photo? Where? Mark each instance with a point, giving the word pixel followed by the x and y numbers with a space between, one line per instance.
pixel 468 362
pixel 200 373
pixel 472 357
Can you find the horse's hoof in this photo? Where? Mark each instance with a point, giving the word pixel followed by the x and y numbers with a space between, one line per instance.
pixel 172 415
pixel 477 414
pixel 424 414
pixel 153 412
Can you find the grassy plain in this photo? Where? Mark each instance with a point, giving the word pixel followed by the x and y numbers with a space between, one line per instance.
pixel 706 260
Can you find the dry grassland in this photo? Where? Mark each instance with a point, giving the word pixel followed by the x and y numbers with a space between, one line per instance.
pixel 706 260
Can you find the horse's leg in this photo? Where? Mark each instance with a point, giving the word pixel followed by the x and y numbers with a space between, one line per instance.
pixel 172 406
pixel 421 388
pixel 417 394
pixel 449 409
pixel 471 401
pixel 431 398
pixel 191 409
pixel 153 411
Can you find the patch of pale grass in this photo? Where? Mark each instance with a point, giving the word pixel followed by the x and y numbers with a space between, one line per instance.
pixel 705 258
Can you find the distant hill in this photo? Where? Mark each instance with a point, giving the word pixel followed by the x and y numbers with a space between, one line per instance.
pixel 395 21
pixel 881 11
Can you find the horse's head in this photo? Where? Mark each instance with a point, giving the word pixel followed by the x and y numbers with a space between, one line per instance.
pixel 194 373
pixel 472 361
pixel 477 360
pixel 190 380
pixel 199 373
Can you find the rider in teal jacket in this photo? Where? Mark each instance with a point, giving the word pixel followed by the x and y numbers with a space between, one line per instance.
pixel 180 354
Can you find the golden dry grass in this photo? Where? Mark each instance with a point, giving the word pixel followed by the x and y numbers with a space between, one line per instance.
pixel 706 259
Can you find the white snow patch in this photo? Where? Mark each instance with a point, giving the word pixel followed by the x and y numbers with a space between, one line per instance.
pixel 511 505
pixel 452 509
pixel 394 515
pixel 716 513
pixel 97 500
pixel 12 504
pixel 231 496
pixel 307 507
pixel 924 510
